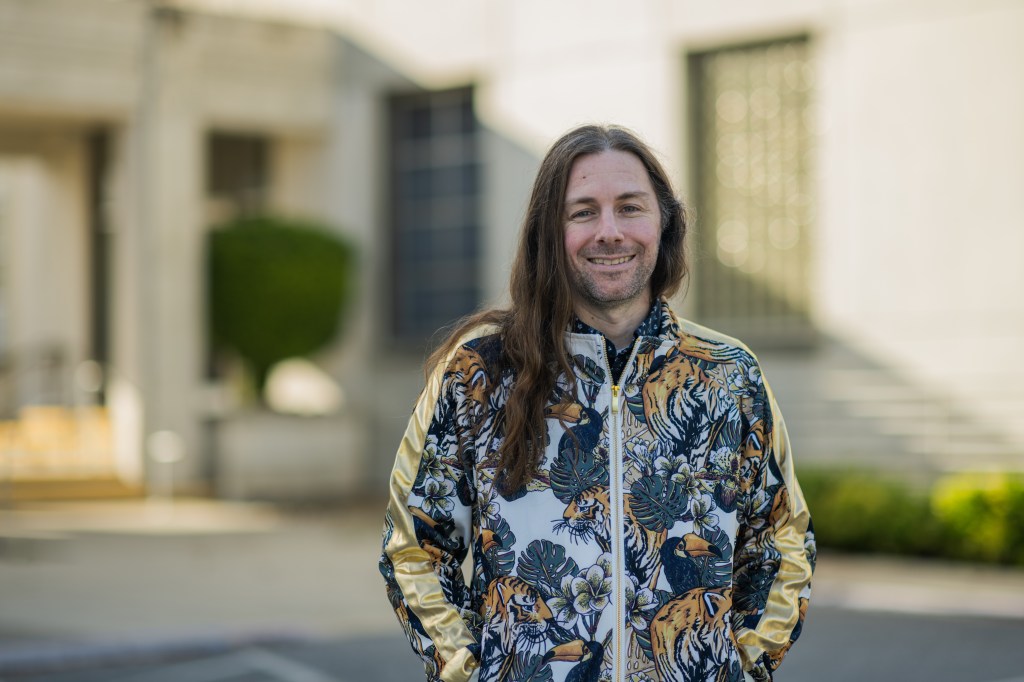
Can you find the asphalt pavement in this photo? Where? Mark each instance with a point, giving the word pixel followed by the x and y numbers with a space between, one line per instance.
pixel 208 591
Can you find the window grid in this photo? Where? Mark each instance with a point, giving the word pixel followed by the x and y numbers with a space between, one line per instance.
pixel 754 146
pixel 435 211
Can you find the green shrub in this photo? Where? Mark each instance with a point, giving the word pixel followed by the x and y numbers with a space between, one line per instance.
pixel 984 514
pixel 966 517
pixel 278 289
pixel 859 511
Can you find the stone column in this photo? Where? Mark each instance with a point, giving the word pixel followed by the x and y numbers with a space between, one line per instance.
pixel 159 249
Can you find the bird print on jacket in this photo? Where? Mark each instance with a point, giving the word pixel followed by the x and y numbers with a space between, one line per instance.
pixel 649 544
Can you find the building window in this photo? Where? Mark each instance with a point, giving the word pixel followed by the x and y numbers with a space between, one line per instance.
pixel 435 204
pixel 237 185
pixel 753 149
pixel 237 175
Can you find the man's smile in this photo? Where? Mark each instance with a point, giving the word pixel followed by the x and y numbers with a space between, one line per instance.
pixel 610 261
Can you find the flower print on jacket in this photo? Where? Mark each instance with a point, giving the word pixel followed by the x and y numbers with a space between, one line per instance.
pixel 651 529
pixel 704 517
pixel 591 589
pixel 433 466
pixel 641 603
pixel 437 500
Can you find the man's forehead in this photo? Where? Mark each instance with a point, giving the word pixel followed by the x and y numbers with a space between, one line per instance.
pixel 623 196
pixel 620 173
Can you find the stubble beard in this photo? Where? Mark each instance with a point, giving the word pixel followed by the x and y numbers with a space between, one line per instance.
pixel 591 291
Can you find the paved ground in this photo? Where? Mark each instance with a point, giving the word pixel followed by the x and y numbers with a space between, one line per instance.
pixel 204 592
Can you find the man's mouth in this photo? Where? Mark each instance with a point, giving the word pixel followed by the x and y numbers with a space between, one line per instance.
pixel 611 261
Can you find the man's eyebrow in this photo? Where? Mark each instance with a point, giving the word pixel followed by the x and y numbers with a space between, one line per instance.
pixel 638 194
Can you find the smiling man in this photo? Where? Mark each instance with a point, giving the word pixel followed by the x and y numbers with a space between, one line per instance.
pixel 621 477
pixel 612 229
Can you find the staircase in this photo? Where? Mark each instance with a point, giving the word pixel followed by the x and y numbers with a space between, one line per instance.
pixel 56 452
pixel 843 409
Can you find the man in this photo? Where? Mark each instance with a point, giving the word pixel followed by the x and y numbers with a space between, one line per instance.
pixel 621 476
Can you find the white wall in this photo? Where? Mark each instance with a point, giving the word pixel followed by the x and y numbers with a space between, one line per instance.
pixel 44 260
pixel 922 251
pixel 68 58
pixel 158 87
pixel 920 255
pixel 920 161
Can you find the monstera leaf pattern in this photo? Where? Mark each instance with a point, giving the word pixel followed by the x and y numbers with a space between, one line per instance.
pixel 715 571
pixel 504 557
pixel 530 667
pixel 573 472
pixel 588 371
pixel 544 564
pixel 659 502
pixel 702 495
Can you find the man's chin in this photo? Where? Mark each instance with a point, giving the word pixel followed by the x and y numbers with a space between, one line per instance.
pixel 610 299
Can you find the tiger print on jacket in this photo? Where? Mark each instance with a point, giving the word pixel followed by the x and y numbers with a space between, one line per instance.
pixel 649 545
pixel 588 516
pixel 516 620
pixel 691 636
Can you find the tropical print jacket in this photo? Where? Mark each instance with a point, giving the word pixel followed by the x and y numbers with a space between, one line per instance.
pixel 664 537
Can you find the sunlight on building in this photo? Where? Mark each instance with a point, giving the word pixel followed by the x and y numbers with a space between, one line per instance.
pixel 297 386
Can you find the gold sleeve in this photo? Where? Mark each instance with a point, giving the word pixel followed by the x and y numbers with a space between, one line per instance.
pixel 787 598
pixel 414 573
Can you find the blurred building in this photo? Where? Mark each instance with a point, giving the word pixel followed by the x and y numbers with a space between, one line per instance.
pixel 853 167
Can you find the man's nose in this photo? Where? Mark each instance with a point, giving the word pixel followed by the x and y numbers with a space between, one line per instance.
pixel 608 229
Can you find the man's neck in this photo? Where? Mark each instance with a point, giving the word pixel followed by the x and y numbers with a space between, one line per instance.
pixel 618 323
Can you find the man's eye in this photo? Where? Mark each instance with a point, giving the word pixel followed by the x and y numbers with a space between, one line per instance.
pixel 630 208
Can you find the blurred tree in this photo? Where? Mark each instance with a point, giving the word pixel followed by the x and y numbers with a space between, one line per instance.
pixel 278 288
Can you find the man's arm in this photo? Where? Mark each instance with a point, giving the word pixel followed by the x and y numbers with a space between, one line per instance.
pixel 775 551
pixel 426 536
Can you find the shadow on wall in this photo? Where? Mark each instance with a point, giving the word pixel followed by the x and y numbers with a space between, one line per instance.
pixel 507 172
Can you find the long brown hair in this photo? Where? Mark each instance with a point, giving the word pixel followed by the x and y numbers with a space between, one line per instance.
pixel 532 330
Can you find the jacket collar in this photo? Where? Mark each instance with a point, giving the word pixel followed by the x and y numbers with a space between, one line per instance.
pixel 659 323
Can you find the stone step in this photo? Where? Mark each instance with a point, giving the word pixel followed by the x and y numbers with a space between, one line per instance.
pixel 23 490
pixel 845 409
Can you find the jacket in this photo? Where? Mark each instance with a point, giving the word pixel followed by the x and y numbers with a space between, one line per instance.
pixel 664 536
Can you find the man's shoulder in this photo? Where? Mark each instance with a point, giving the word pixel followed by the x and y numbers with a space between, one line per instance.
pixel 711 344
pixel 479 336
pixel 481 343
pixel 468 359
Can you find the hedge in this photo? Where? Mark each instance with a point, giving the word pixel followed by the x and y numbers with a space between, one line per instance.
pixel 279 288
pixel 971 517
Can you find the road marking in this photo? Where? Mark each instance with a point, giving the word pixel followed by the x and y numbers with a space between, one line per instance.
pixel 204 670
pixel 287 669
pixel 227 666
pixel 920 600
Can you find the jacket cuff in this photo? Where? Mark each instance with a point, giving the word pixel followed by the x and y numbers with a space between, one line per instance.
pixel 461 667
pixel 760 671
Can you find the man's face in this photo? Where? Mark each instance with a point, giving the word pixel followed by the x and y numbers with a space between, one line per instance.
pixel 612 230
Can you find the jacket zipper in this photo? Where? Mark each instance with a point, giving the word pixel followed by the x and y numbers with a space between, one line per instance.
pixel 618 513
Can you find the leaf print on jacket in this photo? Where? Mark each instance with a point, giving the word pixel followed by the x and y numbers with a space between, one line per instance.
pixel 494 547
pixel 544 564
pixel 663 573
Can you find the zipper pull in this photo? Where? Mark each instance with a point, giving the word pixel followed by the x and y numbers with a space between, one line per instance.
pixel 615 399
